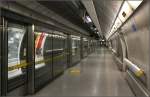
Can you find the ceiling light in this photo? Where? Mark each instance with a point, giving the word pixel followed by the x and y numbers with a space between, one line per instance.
pixel 134 3
pixel 125 11
pixel 118 23
pixel 88 19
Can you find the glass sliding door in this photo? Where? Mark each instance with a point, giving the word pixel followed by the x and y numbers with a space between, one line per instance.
pixel 43 58
pixel 17 61
pixel 75 49
pixel 39 47
pixel 85 47
pixel 59 53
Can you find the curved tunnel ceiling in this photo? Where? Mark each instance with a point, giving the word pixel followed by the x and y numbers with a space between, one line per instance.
pixel 106 12
pixel 90 8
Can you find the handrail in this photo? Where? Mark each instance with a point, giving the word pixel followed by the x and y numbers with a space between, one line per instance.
pixel 134 68
pixel 114 51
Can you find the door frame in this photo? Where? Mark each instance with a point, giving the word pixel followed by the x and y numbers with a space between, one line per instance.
pixel 4 66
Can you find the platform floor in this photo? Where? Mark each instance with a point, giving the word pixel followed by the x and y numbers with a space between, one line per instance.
pixel 96 75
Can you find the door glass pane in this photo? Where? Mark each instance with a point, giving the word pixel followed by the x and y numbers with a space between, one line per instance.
pixel 85 47
pixel 17 44
pixel 43 58
pixel 39 48
pixel 59 56
pixel 75 49
pixel 15 38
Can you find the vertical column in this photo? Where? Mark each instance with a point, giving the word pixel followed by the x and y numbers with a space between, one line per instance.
pixel 148 80
pixel 30 60
pixel 81 47
pixel 123 50
pixel 0 47
pixel 69 50
pixel 4 64
pixel 148 75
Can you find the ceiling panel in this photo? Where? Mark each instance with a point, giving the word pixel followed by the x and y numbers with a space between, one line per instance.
pixel 90 8
pixel 106 11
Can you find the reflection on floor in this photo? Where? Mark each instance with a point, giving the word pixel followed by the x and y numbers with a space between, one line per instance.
pixel 96 75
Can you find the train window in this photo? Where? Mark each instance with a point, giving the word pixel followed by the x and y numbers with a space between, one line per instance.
pixel 15 38
pixel 40 38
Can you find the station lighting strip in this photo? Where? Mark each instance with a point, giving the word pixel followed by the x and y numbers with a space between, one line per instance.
pixel 127 9
pixel 51 35
pixel 85 39
pixel 75 37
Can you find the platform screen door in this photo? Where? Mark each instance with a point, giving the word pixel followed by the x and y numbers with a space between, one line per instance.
pixel 14 61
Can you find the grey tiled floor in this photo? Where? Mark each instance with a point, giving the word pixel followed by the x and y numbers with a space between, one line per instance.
pixel 98 76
